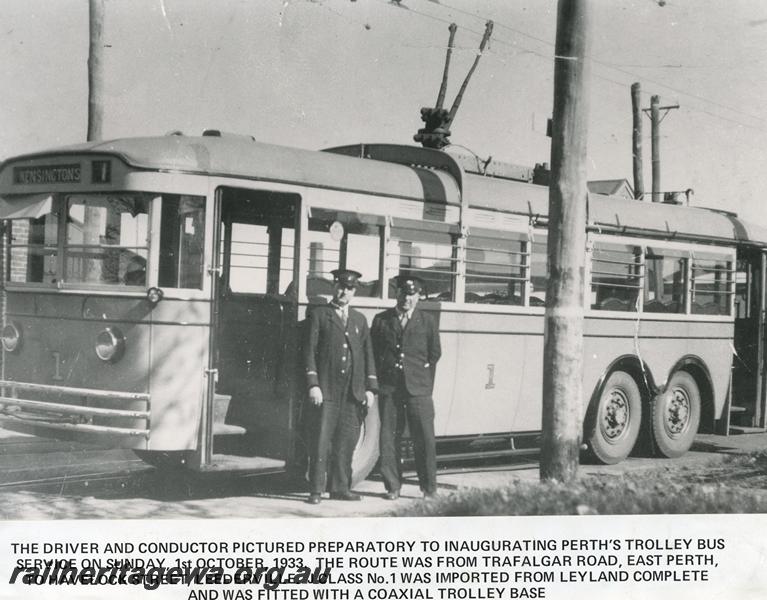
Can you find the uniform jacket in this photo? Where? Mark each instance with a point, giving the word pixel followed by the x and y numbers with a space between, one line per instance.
pixel 413 351
pixel 330 349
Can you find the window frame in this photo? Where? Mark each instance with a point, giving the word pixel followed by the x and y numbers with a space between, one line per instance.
pixel 65 246
pixel 687 250
pixel 457 255
pixel 524 266
pixel 589 284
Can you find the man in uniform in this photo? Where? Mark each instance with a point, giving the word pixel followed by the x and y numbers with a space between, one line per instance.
pixel 340 375
pixel 407 348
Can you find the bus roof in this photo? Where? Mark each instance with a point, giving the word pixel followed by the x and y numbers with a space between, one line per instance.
pixel 242 157
pixel 422 174
pixel 614 214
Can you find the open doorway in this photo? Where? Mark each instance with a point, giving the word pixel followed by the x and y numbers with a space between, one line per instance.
pixel 255 341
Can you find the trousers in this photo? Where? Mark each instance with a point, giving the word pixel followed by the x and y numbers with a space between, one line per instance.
pixel 398 408
pixel 338 422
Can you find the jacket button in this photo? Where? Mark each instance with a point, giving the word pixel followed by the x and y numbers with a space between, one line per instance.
pixel 343 371
pixel 343 358
pixel 345 346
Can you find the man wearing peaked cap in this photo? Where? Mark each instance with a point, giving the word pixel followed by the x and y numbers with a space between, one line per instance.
pixel 341 382
pixel 407 347
pixel 409 284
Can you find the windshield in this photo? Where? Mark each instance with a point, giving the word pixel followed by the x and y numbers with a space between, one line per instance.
pixel 105 241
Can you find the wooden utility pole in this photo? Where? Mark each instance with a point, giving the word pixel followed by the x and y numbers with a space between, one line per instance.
pixel 655 120
pixel 636 148
pixel 655 139
pixel 95 69
pixel 563 334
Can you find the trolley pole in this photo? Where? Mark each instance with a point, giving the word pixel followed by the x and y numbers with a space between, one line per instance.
pixel 95 69
pixel 563 334
pixel 636 149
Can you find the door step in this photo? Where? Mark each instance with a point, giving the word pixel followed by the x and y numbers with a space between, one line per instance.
pixel 739 430
pixel 224 429
pixel 220 408
pixel 259 465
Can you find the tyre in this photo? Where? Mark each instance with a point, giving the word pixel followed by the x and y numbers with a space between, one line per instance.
pixel 614 420
pixel 676 416
pixel 175 460
pixel 366 451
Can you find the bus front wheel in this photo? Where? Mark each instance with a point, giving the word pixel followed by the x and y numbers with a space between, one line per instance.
pixel 615 419
pixel 366 451
pixel 676 416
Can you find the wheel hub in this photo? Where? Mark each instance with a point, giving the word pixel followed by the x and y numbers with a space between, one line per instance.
pixel 615 415
pixel 677 411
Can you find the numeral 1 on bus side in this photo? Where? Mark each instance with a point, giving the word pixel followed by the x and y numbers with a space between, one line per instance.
pixel 490 377
pixel 57 376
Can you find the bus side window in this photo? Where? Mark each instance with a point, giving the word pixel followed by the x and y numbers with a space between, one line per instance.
pixel 616 277
pixel 427 254
pixel 538 273
pixel 339 240
pixel 182 242
pixel 495 270
pixel 711 285
pixel 664 284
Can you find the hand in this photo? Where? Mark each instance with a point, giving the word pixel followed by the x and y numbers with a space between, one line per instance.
pixel 315 395
pixel 370 399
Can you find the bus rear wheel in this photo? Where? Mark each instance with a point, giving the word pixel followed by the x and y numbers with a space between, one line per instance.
pixel 614 421
pixel 676 416
pixel 366 452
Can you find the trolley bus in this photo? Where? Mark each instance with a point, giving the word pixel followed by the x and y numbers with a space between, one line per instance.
pixel 156 289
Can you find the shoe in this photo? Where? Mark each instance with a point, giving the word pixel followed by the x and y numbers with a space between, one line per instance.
pixel 314 498
pixel 348 496
pixel 429 495
pixel 391 495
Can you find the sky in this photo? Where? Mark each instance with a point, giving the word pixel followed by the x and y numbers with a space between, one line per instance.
pixel 320 73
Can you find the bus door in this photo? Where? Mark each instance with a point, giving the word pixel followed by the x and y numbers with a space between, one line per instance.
pixel 255 322
pixel 747 406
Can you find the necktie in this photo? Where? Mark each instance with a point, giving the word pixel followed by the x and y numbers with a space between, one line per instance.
pixel 403 320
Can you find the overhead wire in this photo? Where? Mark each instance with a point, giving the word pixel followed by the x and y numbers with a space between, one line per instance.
pixel 601 63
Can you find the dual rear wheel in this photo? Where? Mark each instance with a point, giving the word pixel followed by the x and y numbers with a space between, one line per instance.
pixel 614 421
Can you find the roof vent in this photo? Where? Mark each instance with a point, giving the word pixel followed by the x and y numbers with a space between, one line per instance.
pixel 226 134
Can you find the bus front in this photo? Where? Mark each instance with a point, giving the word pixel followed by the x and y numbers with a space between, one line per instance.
pixel 106 319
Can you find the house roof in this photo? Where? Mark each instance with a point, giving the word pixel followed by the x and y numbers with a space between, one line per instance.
pixel 611 187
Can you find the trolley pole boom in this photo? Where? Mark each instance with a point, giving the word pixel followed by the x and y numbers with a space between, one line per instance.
pixel 563 337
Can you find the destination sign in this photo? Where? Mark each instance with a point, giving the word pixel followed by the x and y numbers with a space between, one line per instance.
pixel 47 174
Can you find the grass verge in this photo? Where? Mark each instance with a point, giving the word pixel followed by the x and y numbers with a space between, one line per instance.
pixel 737 484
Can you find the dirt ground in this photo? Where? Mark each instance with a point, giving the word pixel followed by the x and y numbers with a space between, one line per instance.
pixel 147 494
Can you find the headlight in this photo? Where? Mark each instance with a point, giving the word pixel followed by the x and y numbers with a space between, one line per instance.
pixel 11 337
pixel 110 345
